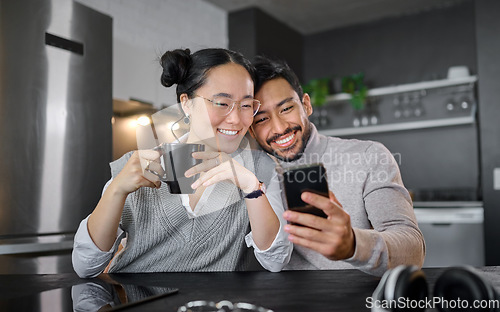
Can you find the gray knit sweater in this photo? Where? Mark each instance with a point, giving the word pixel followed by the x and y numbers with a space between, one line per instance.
pixel 365 178
pixel 161 237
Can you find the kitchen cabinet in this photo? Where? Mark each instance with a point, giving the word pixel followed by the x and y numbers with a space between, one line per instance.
pixel 453 233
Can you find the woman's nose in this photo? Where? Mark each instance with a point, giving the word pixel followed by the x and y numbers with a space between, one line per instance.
pixel 234 116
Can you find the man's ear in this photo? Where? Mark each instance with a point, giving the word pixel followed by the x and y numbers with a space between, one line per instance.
pixel 184 104
pixel 306 101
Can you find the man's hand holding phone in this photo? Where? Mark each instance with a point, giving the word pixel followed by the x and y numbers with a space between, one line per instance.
pixel 332 237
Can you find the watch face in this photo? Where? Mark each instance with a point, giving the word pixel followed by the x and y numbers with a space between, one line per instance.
pixel 262 187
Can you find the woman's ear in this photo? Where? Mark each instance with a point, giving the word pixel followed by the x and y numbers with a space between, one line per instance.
pixel 306 101
pixel 185 104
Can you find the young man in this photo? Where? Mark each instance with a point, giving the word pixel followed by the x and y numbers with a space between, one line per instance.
pixel 371 225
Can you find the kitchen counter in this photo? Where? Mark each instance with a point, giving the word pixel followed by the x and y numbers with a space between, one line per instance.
pixel 341 290
pixel 447 204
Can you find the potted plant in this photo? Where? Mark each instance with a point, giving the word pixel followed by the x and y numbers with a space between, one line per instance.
pixel 355 86
pixel 318 90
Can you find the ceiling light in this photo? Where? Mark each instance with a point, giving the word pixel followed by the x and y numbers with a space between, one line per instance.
pixel 143 121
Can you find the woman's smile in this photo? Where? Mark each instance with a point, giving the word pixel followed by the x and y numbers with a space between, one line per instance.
pixel 228 132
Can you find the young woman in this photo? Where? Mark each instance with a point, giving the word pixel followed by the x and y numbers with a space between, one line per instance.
pixel 207 230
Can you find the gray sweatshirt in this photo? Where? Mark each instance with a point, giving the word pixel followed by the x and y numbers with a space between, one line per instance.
pixel 365 178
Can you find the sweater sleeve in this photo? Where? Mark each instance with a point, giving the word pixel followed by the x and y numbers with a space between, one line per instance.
pixel 395 238
pixel 88 260
pixel 278 254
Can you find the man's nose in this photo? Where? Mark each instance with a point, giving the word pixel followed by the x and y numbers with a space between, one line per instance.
pixel 279 125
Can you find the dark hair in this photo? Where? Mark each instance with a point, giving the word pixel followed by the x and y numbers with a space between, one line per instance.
pixel 189 71
pixel 268 69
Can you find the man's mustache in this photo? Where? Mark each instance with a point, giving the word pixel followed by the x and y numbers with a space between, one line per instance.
pixel 287 131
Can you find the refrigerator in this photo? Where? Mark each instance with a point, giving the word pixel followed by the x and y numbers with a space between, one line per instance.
pixel 55 128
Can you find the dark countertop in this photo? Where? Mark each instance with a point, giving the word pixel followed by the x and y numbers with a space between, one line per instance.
pixel 341 290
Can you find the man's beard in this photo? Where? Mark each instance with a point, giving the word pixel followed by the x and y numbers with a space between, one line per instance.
pixel 305 138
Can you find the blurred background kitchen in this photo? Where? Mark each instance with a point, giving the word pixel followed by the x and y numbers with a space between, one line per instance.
pixel 420 76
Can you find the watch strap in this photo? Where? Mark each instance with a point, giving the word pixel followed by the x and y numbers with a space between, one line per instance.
pixel 258 192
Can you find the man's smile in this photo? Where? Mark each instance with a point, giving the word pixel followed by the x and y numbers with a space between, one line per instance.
pixel 286 140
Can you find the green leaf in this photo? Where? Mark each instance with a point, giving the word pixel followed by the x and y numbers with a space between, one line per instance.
pixel 355 86
pixel 318 90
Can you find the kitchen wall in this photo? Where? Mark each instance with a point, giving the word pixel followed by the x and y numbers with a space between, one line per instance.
pixel 144 30
pixel 254 36
pixel 407 49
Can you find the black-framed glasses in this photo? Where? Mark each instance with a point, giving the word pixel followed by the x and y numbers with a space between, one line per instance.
pixel 224 105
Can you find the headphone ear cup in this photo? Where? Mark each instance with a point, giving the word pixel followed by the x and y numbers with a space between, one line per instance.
pixel 411 284
pixel 379 292
pixel 405 282
pixel 464 283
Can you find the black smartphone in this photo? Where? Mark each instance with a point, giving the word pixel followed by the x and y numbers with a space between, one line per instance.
pixel 305 178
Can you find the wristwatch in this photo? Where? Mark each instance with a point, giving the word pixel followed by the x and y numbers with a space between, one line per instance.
pixel 258 192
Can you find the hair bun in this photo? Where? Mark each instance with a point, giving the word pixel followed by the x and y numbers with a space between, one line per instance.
pixel 175 65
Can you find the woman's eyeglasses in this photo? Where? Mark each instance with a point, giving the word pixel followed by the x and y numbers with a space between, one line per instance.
pixel 224 105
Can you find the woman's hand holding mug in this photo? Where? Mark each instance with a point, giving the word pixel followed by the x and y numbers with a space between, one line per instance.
pixel 219 166
pixel 139 171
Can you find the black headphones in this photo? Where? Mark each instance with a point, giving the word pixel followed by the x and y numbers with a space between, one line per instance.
pixel 457 289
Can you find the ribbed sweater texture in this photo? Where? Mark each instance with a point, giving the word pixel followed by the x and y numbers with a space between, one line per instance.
pixel 162 238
